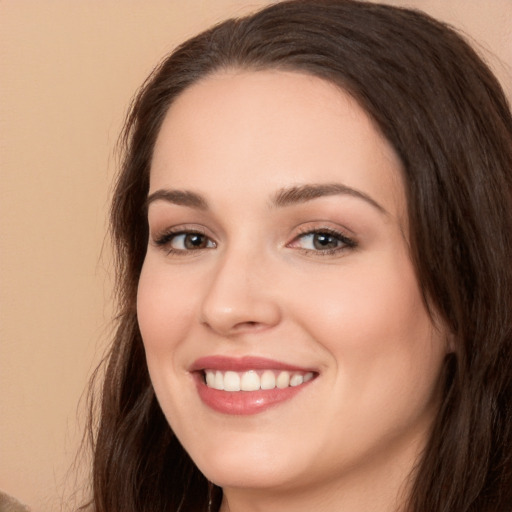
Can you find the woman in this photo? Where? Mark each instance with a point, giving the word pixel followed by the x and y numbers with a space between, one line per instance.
pixel 313 225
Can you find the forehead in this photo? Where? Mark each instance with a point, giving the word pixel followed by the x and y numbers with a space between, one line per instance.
pixel 238 129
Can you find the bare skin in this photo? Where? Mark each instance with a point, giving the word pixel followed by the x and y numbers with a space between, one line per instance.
pixel 287 240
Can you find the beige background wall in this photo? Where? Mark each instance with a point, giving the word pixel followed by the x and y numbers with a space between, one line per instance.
pixel 68 71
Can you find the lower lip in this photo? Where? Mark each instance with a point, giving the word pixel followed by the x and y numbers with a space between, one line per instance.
pixel 244 402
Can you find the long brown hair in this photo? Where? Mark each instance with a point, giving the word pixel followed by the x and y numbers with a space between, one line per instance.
pixel 443 111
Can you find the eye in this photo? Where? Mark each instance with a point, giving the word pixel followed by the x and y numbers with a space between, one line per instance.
pixel 324 241
pixel 184 241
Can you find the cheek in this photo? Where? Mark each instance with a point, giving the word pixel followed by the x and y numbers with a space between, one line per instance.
pixel 364 303
pixel 165 316
pixel 164 309
pixel 373 322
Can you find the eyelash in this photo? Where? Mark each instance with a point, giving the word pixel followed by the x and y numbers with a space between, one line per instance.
pixel 346 242
pixel 164 240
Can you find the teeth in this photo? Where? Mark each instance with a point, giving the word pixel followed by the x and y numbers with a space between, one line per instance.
pixel 253 381
pixel 296 380
pixel 283 380
pixel 219 381
pixel 231 381
pixel 250 381
pixel 210 379
pixel 268 380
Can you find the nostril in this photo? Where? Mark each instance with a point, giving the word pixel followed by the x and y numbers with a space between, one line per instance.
pixel 247 325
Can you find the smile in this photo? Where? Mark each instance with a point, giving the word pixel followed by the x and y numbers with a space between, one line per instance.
pixel 247 385
pixel 255 380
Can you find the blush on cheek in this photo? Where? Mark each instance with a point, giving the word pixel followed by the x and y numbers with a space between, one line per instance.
pixel 155 312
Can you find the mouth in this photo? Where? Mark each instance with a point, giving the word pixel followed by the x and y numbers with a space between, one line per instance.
pixel 254 380
pixel 249 385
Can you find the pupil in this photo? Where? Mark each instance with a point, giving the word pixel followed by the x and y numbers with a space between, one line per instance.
pixel 324 241
pixel 193 241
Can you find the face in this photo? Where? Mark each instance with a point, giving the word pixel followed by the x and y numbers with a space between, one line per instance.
pixel 285 332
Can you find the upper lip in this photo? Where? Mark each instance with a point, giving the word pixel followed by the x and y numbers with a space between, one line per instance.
pixel 243 364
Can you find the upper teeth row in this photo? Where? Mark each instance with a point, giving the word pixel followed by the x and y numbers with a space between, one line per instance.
pixel 252 381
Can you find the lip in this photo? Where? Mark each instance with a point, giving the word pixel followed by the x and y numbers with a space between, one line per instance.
pixel 243 364
pixel 243 402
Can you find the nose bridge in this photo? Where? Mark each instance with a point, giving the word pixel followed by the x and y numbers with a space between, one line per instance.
pixel 239 295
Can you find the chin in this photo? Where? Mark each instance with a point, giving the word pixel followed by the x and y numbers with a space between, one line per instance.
pixel 245 475
pixel 250 466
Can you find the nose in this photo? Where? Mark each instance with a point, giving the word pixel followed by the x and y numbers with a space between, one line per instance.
pixel 240 297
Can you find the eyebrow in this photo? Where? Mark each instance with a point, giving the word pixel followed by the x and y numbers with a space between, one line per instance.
pixel 284 197
pixel 303 193
pixel 179 197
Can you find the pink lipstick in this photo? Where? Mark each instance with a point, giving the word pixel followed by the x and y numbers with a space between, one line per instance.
pixel 247 385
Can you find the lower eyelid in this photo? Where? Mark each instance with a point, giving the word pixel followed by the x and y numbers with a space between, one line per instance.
pixel 164 238
pixel 167 239
pixel 345 241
